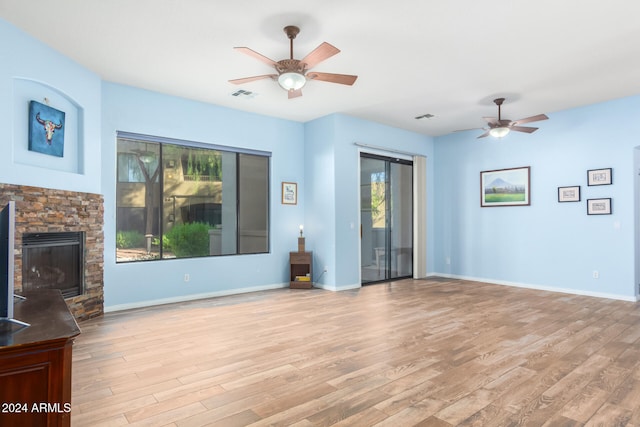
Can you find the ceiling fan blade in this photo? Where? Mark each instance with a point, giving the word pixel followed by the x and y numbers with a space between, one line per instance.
pixel 257 55
pixel 343 79
pixel 251 79
pixel 319 54
pixel 464 130
pixel 483 135
pixel 531 119
pixel 295 93
pixel 491 120
pixel 526 129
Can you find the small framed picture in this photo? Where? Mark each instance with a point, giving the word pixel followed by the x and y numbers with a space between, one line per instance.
pixel 569 194
pixel 598 206
pixel 599 177
pixel 289 193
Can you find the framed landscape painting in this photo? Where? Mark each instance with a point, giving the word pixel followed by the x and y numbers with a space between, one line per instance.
pixel 505 187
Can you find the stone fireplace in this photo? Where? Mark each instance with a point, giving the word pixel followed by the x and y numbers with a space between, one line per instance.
pixel 57 225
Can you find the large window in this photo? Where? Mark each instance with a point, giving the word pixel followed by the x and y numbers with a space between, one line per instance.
pixel 179 199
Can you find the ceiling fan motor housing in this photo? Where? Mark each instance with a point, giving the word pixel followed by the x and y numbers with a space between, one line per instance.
pixel 290 66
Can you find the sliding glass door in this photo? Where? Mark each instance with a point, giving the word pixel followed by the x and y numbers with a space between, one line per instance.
pixel 386 218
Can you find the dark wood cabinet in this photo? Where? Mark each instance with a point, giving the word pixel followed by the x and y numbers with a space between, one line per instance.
pixel 301 265
pixel 35 363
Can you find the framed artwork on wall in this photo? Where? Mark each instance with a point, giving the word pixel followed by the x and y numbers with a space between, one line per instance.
pixel 46 129
pixel 505 187
pixel 289 193
pixel 569 194
pixel 599 206
pixel 599 177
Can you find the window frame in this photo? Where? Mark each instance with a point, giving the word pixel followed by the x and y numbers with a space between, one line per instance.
pixel 237 151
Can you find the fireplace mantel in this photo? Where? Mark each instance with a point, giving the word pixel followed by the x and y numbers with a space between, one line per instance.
pixel 43 210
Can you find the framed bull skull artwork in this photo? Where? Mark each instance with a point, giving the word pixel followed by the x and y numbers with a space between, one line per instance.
pixel 46 129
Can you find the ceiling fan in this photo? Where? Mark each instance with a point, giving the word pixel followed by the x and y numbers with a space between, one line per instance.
pixel 499 127
pixel 292 74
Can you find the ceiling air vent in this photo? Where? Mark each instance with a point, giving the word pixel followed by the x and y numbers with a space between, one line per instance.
pixel 424 116
pixel 241 93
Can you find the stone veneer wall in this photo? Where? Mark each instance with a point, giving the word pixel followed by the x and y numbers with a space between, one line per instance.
pixel 43 210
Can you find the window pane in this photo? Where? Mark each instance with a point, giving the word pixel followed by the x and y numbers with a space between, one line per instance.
pixel 137 201
pixel 129 169
pixel 192 200
pixel 378 197
pixel 401 221
pixel 254 203
pixel 227 232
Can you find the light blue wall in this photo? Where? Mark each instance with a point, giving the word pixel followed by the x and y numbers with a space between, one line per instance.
pixel 333 161
pixel 320 203
pixel 140 111
pixel 548 244
pixel 636 169
pixel 29 70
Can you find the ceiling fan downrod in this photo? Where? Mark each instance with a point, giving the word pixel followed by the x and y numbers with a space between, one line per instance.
pixel 291 31
pixel 499 102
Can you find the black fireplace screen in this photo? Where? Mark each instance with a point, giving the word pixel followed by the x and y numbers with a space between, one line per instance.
pixel 53 261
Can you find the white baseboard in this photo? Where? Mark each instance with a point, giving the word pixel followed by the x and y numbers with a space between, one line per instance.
pixel 337 288
pixel 192 297
pixel 539 287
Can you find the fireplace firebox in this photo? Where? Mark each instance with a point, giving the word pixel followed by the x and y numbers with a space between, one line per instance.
pixel 53 261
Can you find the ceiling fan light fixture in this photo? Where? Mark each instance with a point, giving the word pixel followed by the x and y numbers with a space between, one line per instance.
pixel 291 80
pixel 499 132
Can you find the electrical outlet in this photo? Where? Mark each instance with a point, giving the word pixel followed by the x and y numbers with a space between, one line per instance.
pixel 596 274
pixel 187 277
pixel 325 269
pixel 447 260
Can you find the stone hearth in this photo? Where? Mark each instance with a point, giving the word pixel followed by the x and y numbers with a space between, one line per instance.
pixel 43 210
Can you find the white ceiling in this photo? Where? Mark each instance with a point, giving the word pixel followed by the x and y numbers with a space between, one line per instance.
pixel 449 58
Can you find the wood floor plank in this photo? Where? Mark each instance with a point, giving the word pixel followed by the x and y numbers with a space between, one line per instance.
pixel 420 412
pixel 610 415
pixel 288 397
pixel 466 406
pixel 117 421
pixel 418 394
pixel 205 388
pixel 348 407
pixel 491 415
pixel 99 413
pixel 367 417
pixel 627 395
pixel 432 352
pixel 155 415
pixel 560 421
pixel 585 404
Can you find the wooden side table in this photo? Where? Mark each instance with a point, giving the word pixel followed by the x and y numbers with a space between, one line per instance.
pixel 300 265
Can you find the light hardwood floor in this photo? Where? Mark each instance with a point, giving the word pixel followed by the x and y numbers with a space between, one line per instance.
pixel 432 352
